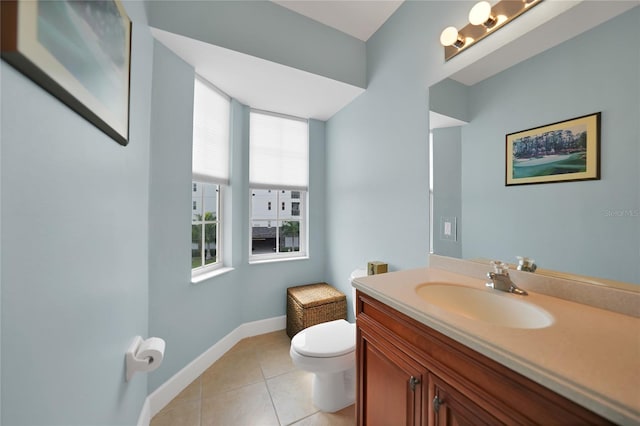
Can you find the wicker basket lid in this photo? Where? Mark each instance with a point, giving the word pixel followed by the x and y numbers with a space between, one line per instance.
pixel 315 294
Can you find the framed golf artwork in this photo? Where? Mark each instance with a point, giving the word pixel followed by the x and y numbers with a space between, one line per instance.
pixel 565 151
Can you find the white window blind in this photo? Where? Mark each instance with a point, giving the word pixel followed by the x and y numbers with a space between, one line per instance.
pixel 211 121
pixel 279 152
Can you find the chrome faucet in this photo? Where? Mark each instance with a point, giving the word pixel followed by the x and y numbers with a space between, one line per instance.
pixel 500 279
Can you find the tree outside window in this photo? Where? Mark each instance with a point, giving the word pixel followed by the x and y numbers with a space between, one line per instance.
pixel 204 226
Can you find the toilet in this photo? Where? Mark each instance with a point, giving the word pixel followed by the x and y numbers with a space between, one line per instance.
pixel 328 350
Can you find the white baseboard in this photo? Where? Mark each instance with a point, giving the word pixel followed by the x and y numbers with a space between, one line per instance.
pixel 159 398
pixel 145 415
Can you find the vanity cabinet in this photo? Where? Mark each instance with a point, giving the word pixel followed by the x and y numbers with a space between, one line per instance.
pixel 410 374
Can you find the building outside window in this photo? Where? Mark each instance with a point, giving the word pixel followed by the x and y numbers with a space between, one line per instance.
pixel 279 162
pixel 210 171
pixel 274 231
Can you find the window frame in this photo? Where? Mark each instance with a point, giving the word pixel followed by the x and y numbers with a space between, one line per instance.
pixel 218 263
pixel 303 219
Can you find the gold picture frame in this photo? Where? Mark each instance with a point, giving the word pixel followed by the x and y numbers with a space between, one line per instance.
pixel 564 151
pixel 79 51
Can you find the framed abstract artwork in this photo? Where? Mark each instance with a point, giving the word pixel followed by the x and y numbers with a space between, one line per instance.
pixel 79 51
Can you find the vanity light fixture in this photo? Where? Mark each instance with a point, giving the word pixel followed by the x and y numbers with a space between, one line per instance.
pixel 483 20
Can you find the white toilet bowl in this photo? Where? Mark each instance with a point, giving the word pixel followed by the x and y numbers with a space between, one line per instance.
pixel 328 351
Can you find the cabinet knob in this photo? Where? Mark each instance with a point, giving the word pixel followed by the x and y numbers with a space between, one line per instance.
pixel 436 404
pixel 413 381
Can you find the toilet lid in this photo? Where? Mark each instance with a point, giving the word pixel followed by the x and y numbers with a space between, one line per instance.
pixel 326 340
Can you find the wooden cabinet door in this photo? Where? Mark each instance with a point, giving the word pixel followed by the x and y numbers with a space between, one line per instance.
pixel 391 385
pixel 449 407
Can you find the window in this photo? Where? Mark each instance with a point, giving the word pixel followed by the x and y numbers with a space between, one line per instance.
pixel 205 225
pixel 275 233
pixel 278 173
pixel 210 171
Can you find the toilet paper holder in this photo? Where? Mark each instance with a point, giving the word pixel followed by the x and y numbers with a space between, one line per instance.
pixel 144 355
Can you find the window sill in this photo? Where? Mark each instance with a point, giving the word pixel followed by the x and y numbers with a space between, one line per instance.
pixel 211 274
pixel 276 259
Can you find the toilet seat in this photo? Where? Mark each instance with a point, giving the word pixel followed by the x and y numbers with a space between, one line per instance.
pixel 326 340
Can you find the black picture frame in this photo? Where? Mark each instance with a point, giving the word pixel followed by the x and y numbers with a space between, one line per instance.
pixel 79 51
pixel 564 151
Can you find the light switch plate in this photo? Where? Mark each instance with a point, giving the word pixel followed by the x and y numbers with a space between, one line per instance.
pixel 448 228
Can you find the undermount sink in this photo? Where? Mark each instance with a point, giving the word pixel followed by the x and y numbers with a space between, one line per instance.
pixel 489 306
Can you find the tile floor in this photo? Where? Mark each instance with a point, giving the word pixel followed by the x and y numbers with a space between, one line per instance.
pixel 254 384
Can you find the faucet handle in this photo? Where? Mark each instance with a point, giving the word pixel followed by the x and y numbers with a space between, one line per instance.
pixel 499 267
pixel 526 264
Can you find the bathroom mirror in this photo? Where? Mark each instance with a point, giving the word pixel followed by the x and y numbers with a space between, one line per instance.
pixel 589 228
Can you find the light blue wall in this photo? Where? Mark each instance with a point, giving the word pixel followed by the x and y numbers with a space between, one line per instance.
pixel 264 285
pixel 74 259
pixel 450 98
pixel 268 31
pixel 377 147
pixel 564 226
pixel 447 176
pixel 193 317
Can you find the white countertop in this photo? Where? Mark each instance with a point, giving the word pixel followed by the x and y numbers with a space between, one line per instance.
pixel 588 355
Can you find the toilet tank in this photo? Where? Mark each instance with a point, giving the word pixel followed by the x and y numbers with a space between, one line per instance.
pixel 355 274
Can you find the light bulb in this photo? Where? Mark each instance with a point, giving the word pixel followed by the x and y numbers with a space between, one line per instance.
pixel 480 14
pixel 449 36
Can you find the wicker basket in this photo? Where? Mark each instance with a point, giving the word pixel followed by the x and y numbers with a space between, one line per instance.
pixel 312 304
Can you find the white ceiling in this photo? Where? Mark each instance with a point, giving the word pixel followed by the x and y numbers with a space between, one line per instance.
pixel 262 84
pixel 360 18
pixel 270 86
pixel 439 121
